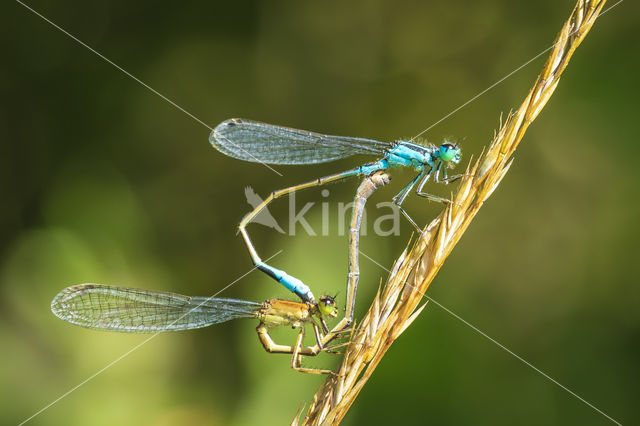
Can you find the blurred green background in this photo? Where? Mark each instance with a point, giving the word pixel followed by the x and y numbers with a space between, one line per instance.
pixel 103 181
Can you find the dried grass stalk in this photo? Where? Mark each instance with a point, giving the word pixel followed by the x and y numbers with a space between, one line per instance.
pixel 396 305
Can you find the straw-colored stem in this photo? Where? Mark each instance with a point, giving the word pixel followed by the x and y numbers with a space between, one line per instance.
pixel 396 304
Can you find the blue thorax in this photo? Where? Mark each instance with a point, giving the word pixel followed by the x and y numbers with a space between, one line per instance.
pixel 402 154
pixel 407 154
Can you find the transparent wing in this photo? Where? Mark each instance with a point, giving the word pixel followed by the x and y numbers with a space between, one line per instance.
pixel 265 143
pixel 131 310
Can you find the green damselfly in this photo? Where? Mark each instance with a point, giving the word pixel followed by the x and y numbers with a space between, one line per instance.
pixel 130 310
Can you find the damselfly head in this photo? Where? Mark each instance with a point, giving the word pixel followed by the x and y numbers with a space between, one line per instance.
pixel 450 152
pixel 327 306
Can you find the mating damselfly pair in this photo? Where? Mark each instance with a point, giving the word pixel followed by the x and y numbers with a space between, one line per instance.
pixel 143 311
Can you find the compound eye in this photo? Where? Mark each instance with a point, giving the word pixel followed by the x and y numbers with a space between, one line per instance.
pixel 449 151
pixel 327 306
pixel 328 300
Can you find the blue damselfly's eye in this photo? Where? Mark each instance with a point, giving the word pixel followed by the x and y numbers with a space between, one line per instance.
pixel 449 152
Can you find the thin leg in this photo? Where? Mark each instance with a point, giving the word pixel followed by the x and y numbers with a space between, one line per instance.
pixel 400 196
pixel 298 350
pixel 273 347
pixel 296 361
pixel 332 349
pixel 318 335
pixel 292 283
pixel 446 180
pixel 324 325
pixel 435 179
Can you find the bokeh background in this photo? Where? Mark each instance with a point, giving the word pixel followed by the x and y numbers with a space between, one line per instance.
pixel 103 181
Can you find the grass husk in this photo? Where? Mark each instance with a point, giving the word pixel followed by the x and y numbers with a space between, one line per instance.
pixel 397 303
